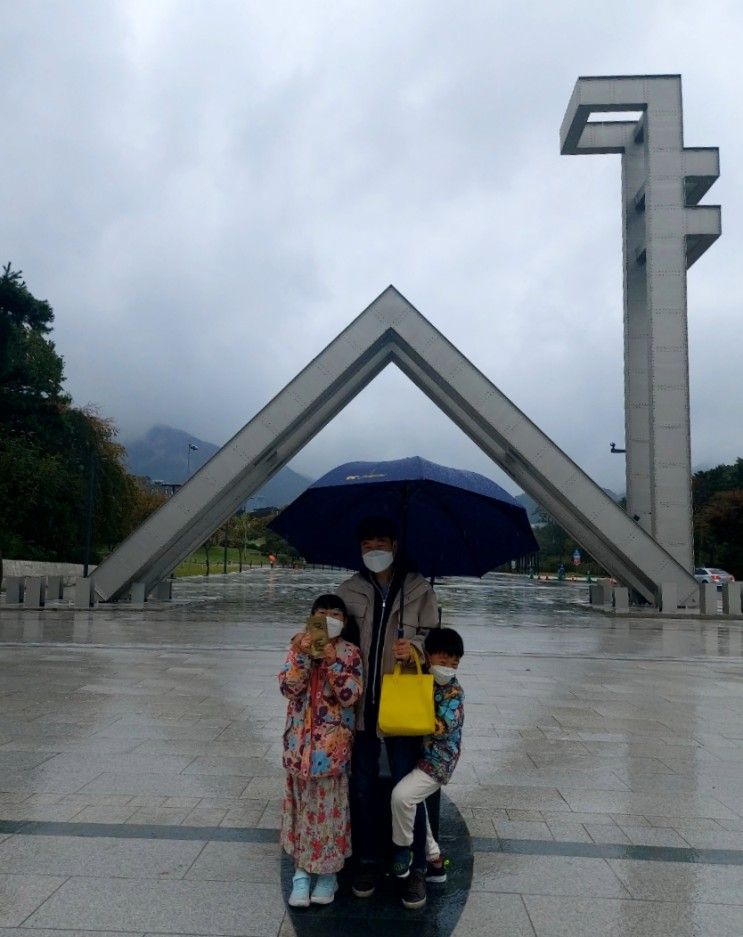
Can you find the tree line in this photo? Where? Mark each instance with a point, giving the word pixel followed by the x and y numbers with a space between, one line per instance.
pixel 65 493
pixel 718 517
pixel 718 525
pixel 55 459
pixel 248 533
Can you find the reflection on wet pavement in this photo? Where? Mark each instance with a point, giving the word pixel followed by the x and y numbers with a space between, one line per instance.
pixel 584 733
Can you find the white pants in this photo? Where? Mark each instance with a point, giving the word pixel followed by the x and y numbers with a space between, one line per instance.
pixel 406 795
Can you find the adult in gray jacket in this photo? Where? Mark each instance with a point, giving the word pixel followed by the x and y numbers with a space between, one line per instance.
pixel 374 597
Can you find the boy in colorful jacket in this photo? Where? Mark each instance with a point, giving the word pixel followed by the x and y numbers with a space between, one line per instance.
pixel 444 648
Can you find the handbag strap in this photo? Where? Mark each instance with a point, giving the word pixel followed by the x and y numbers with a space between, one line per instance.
pixel 398 667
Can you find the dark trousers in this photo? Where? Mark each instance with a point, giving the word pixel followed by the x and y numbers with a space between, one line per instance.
pixel 402 755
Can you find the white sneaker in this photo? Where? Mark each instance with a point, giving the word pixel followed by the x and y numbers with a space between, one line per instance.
pixel 300 896
pixel 325 888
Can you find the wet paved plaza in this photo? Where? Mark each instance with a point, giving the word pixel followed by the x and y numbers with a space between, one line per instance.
pixel 140 767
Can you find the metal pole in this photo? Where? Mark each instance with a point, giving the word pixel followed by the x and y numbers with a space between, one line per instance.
pixel 226 526
pixel 89 512
pixel 190 447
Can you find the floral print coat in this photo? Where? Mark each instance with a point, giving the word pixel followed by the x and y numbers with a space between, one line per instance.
pixel 320 717
pixel 442 749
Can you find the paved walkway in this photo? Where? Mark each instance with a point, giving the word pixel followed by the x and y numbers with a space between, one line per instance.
pixel 140 778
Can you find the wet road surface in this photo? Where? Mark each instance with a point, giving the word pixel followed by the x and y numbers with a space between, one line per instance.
pixel 140 780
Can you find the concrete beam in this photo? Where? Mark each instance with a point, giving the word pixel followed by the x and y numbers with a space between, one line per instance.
pixel 163 591
pixel 609 93
pixel 84 593
pixel 621 599
pixel 54 588
pixel 731 598
pixel 248 460
pixel 14 586
pixel 669 597
pixel 709 601
pixel 35 592
pixel 605 136
pixel 703 227
pixel 665 231
pixel 137 594
pixel 390 330
pixel 701 168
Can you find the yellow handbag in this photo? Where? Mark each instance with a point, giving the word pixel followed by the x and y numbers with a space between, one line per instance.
pixel 406 702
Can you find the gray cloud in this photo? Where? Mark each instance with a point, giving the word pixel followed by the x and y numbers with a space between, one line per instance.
pixel 209 192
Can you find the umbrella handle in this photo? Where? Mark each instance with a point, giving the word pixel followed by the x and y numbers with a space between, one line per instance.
pixel 401 546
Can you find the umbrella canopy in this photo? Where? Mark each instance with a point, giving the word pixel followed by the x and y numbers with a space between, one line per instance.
pixel 450 522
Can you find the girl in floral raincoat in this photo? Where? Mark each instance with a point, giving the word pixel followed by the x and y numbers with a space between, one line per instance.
pixel 320 723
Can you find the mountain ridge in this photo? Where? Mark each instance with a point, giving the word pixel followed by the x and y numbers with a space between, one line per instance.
pixel 164 456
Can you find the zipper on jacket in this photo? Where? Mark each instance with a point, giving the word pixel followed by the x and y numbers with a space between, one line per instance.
pixel 376 647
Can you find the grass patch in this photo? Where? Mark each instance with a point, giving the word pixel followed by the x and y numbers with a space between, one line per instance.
pixel 195 565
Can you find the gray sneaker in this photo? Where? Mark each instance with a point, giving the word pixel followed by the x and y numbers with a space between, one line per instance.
pixel 413 893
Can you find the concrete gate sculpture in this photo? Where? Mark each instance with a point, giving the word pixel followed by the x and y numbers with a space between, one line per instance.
pixel 649 547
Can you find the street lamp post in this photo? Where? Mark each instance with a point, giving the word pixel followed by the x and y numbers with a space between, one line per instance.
pixel 226 535
pixel 190 447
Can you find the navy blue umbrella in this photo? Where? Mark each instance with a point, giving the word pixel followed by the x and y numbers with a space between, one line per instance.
pixel 450 522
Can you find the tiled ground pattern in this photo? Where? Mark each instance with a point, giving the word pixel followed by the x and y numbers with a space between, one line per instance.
pixel 601 747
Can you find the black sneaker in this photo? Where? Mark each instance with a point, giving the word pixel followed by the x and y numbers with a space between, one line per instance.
pixel 365 880
pixel 413 893
pixel 436 869
pixel 401 861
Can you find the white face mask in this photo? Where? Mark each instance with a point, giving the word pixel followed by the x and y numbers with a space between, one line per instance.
pixel 442 675
pixel 334 627
pixel 376 561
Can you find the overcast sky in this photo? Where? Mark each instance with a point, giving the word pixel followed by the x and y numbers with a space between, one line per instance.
pixel 208 192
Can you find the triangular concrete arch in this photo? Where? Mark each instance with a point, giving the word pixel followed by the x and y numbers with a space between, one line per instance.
pixel 391 330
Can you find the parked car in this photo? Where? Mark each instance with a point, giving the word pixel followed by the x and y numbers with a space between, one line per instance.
pixel 711 574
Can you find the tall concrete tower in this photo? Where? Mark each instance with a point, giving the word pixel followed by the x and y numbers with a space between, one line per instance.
pixel 664 231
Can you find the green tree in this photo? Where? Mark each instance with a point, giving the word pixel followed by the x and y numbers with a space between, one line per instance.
pixel 144 501
pixel 31 371
pixel 718 530
pixel 207 546
pixel 705 484
pixel 556 546
pixel 47 447
pixel 273 543
pixel 716 516
pixel 243 533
